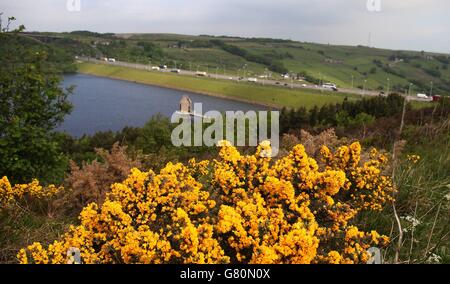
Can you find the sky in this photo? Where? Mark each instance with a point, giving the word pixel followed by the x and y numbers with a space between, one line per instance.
pixel 394 24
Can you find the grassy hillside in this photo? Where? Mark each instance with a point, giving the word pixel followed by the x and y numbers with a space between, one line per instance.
pixel 265 95
pixel 346 66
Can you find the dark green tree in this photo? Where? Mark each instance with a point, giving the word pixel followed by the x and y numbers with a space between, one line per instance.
pixel 155 134
pixel 314 116
pixel 32 105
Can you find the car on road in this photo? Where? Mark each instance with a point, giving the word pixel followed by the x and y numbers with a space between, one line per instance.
pixel 436 98
pixel 201 74
pixel 163 67
pixel 330 86
pixel 176 71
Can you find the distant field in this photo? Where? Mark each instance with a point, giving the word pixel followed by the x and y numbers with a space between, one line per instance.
pixel 264 95
pixel 347 66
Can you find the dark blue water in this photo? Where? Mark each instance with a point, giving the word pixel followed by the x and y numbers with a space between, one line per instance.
pixel 102 104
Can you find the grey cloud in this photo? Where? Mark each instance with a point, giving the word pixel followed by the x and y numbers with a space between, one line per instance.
pixel 412 24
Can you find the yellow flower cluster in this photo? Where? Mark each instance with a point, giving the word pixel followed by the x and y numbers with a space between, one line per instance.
pixel 413 158
pixel 10 193
pixel 247 209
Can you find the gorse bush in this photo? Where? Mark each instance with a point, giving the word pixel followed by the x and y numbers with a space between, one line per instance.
pixel 24 216
pixel 237 209
pixel 10 194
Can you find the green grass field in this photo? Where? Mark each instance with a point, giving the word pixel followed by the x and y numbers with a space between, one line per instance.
pixel 346 66
pixel 264 95
pixel 330 63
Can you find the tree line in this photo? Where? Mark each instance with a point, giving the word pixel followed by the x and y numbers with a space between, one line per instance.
pixel 341 114
pixel 271 61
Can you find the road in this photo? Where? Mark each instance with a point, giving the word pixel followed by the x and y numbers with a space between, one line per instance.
pixel 266 82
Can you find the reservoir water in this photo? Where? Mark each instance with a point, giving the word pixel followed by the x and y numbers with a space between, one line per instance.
pixel 102 104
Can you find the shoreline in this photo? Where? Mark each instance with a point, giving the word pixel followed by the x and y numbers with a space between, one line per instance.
pixel 271 106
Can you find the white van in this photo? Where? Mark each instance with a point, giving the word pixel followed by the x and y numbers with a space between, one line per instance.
pixel 422 96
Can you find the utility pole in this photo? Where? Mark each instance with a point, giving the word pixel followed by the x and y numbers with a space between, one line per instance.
pixel 388 86
pixel 409 90
pixel 292 81
pixel 431 89
pixel 364 87
pixel 264 77
pixel 352 81
pixel 320 82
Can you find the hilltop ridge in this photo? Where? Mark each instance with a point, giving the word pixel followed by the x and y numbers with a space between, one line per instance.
pixel 347 66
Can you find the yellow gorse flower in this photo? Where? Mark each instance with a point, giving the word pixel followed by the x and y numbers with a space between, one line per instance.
pixel 10 194
pixel 413 158
pixel 237 209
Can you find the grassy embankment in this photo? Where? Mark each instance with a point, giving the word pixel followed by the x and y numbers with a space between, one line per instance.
pixel 246 92
pixel 422 201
